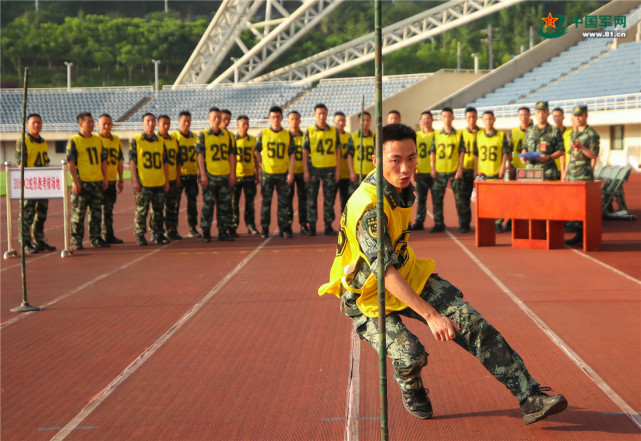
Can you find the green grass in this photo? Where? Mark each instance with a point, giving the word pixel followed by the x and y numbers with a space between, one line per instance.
pixel 3 180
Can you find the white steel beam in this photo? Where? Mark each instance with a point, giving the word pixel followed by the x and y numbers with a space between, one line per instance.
pixel 275 42
pixel 397 36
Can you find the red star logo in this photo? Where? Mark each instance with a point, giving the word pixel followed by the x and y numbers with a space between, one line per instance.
pixel 549 20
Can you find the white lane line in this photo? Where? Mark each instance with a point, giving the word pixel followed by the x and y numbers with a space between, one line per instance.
pixel 591 373
pixel 605 265
pixel 353 388
pixel 142 358
pixel 80 288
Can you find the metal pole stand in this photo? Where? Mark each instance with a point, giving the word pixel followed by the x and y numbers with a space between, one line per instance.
pixel 10 250
pixel 67 251
pixel 25 307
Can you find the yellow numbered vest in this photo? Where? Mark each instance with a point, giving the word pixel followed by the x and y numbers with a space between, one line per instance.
pixel 37 152
pixel 186 147
pixel 344 167
pixel 415 271
pixel 368 151
pixel 89 157
pixel 245 156
pixel 275 150
pixel 490 150
pixel 217 150
pixel 423 144
pixel 322 145
pixel 171 145
pixel 447 151
pixel 149 161
pixel 114 155
pixel 567 145
pixel 298 154
pixel 518 136
pixel 468 139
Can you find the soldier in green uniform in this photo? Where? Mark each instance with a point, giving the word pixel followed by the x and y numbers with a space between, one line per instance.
pixel 115 161
pixel 423 175
pixel 247 177
pixel 296 169
pixel 345 186
pixel 414 291
pixel 35 210
pixel 189 172
pixel 172 198
pixel 584 149
pixel 546 140
pixel 87 161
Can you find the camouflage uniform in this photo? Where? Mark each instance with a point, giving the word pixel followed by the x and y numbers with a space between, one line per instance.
pixel 109 197
pixel 440 185
pixel 468 174
pixel 217 193
pixel 299 184
pixel 188 175
pixel 579 167
pixel 269 181
pixel 172 198
pixel 245 184
pixel 546 141
pixel 35 210
pixel 424 183
pixel 408 355
pixel 328 178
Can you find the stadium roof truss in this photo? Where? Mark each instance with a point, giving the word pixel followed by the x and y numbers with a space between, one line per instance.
pixel 280 29
pixel 234 16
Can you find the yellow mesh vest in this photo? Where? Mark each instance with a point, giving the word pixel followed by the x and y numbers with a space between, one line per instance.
pixel 217 152
pixel 275 146
pixel 298 155
pixel 114 151
pixel 344 165
pixel 89 152
pixel 245 156
pixel 447 151
pixel 518 136
pixel 171 144
pixel 415 271
pixel 368 151
pixel 322 145
pixel 37 153
pixel 423 144
pixel 490 153
pixel 186 147
pixel 150 165
pixel 468 139
pixel 567 145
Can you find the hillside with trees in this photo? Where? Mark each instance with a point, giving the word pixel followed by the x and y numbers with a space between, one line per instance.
pixel 112 44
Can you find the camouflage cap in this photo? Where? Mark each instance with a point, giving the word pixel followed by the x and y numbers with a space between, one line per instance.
pixel 579 110
pixel 542 105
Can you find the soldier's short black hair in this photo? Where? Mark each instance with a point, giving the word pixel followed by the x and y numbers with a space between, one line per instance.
pixel 214 109
pixel 364 113
pixel 398 132
pixel 557 109
pixel 488 112
pixel 184 113
pixel 106 115
pixel 163 116
pixel 226 111
pixel 339 113
pixel 320 106
pixel 33 115
pixel 427 112
pixel 148 114
pixel 82 115
pixel 276 109
pixel 395 112
pixel 447 109
pixel 471 109
pixel 242 117
pixel 296 112
pixel 526 108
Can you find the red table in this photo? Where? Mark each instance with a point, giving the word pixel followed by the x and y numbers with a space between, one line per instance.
pixel 539 210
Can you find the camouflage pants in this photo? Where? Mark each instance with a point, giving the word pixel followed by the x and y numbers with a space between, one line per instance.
pixel 35 214
pixel 172 205
pixel 245 185
pixel 146 197
pixel 189 183
pixel 438 193
pixel 108 201
pixel 90 197
pixel 329 195
pixel 216 194
pixel 476 336
pixel 468 187
pixel 268 182
pixel 301 188
pixel 344 188
pixel 423 186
